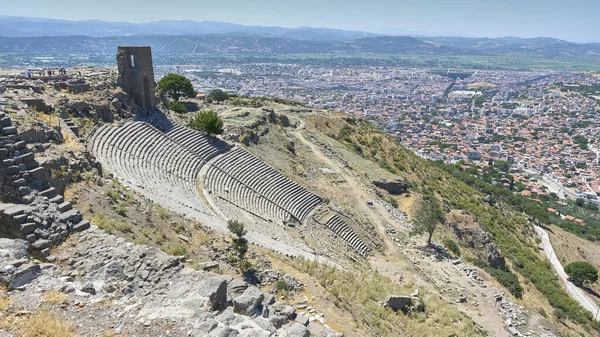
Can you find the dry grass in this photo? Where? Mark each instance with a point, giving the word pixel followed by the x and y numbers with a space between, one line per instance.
pixel 44 324
pixel 50 119
pixel 110 333
pixel 5 301
pixel 56 297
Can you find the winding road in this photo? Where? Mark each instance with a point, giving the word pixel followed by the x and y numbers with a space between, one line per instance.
pixel 575 292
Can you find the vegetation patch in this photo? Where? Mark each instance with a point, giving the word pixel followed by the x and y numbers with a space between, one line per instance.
pixel 362 294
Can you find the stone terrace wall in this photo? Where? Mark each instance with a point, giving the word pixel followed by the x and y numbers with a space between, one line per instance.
pixel 30 208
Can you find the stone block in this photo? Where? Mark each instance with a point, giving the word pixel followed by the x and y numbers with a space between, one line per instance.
pixel 248 301
pixel 24 275
pixel 215 288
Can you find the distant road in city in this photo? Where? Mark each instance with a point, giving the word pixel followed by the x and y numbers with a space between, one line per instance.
pixel 577 293
pixel 556 187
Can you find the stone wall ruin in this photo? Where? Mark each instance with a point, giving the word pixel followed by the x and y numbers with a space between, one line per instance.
pixel 136 75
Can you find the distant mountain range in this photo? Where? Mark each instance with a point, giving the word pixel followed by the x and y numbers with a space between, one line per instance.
pixel 31 27
pixel 60 36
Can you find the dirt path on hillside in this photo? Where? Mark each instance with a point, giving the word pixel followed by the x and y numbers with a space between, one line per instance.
pixel 375 213
pixel 393 263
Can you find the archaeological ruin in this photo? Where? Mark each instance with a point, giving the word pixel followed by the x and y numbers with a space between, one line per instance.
pixel 136 75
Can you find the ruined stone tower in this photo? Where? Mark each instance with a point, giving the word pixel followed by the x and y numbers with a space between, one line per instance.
pixel 136 75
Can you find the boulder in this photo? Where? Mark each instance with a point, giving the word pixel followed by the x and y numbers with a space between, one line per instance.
pixel 235 288
pixel 302 319
pixel 277 321
pixel 208 265
pixel 88 288
pixel 204 328
pixel 215 288
pixel 297 330
pixel 24 275
pixel 399 302
pixel 224 332
pixel 284 310
pixel 16 248
pixel 394 187
pixel 247 302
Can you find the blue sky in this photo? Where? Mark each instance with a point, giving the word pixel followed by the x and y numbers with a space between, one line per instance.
pixel 574 20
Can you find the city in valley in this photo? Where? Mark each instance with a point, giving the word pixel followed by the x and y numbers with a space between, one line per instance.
pixel 544 124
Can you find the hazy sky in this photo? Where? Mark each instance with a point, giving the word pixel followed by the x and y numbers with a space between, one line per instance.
pixel 574 20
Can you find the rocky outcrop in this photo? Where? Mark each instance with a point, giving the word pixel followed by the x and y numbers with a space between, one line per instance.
pixel 481 242
pixel 32 210
pixel 394 187
pixel 494 258
pixel 148 289
pixel 404 303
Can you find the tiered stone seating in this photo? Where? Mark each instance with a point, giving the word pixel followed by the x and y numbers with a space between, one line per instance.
pixel 150 162
pixel 200 144
pixel 230 189
pixel 343 230
pixel 242 174
pixel 163 161
pixel 203 146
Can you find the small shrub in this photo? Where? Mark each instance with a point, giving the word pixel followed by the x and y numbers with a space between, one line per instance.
pixel 394 203
pixel 163 213
pixel 582 272
pixel 290 147
pixel 113 194
pixel 560 314
pixel 239 241
pixel 123 226
pixel 121 209
pixel 509 280
pixel 452 246
pixel 283 288
pixel 177 250
pixel 207 121
pixel 281 285
pixel 141 240
pixel 178 107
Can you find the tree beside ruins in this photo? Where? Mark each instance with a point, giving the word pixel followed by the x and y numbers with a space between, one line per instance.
pixel 176 86
pixel 239 243
pixel 428 214
pixel 207 121
pixel 219 95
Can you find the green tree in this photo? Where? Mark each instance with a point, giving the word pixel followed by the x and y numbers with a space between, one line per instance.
pixel 207 121
pixel 538 214
pixel 178 107
pixel 582 272
pixel 219 95
pixel 239 242
pixel 176 86
pixel 428 214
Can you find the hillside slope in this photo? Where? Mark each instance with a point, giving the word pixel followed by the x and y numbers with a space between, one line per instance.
pixel 364 181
